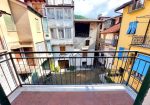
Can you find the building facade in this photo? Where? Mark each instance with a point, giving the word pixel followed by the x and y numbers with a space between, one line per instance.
pixel 86 31
pixel 134 35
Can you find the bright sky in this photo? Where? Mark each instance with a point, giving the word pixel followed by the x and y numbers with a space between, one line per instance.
pixel 92 8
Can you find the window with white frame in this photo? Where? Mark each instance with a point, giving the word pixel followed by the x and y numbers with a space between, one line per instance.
pixel 61 33
pixel 67 13
pixel 50 2
pixel 50 13
pixel 67 1
pixel 58 2
pixel 10 25
pixel 68 33
pixel 53 33
pixel 59 14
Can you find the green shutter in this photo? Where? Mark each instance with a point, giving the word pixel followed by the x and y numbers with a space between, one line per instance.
pixel 9 23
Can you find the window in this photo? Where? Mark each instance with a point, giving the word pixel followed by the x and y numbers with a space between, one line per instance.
pixel 67 14
pixel 132 27
pixel 68 33
pixel 61 33
pixel 87 42
pixel 53 33
pixel 84 64
pixel 58 2
pixel 67 1
pixel 50 2
pixel 10 25
pixel 137 4
pixel 37 25
pixel 62 49
pixel 50 13
pixel 45 25
pixel 59 14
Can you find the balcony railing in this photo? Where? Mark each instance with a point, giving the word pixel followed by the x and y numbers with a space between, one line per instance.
pixel 141 41
pixel 109 42
pixel 35 68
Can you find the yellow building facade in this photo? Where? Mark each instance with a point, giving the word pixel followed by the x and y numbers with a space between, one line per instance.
pixel 134 37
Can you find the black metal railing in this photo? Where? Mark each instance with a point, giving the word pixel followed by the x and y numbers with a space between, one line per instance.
pixel 72 68
pixel 141 41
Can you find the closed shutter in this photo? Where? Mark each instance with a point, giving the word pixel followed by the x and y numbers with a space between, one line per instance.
pixel 9 23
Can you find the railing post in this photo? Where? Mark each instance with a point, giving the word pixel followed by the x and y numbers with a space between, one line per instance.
pixel 15 69
pixel 3 98
pixel 131 68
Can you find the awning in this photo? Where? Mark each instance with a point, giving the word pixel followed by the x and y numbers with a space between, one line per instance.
pixel 142 64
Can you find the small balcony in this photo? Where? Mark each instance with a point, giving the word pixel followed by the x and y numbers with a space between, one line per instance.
pixel 141 41
pixel 71 80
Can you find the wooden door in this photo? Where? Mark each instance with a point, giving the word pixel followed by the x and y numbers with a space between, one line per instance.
pixel 64 64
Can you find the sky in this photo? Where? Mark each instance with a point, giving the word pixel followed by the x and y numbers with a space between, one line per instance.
pixel 92 8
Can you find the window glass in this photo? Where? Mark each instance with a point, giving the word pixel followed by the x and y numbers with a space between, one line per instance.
pixel 45 25
pixel 10 25
pixel 59 13
pixel 68 33
pixel 50 13
pixel 61 33
pixel 67 1
pixel 58 2
pixel 53 33
pixel 67 13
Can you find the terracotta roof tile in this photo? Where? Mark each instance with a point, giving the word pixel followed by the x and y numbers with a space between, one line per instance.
pixel 112 29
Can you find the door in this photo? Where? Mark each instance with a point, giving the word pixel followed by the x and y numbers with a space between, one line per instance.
pixel 64 64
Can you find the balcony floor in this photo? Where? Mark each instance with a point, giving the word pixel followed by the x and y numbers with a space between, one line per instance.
pixel 96 97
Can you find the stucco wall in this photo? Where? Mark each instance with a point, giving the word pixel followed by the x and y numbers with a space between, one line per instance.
pixel 20 14
pixel 125 39
pixel 79 42
pixel 11 37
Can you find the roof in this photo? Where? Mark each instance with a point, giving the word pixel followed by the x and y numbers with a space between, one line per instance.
pixel 112 29
pixel 87 20
pixel 124 5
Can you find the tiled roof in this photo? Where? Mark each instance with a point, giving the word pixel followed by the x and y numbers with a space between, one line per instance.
pixel 112 29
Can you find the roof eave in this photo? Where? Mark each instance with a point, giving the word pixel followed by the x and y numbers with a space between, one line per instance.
pixel 123 6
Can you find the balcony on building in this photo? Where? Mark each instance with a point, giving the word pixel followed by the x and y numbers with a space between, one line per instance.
pixel 141 41
pixel 72 80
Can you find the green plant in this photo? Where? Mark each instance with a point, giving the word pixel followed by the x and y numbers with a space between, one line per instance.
pixel 52 65
pixel 57 69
